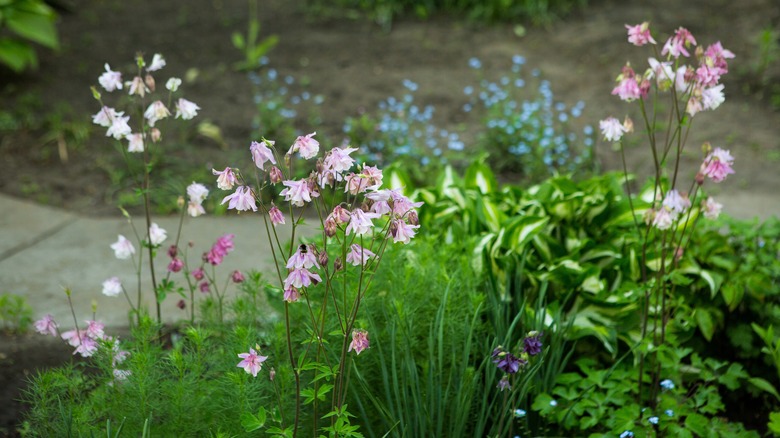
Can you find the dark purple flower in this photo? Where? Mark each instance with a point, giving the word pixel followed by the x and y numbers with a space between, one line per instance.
pixel 533 343
pixel 507 362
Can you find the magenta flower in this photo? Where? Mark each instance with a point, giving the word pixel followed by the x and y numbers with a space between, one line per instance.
pixel 298 192
pixel 123 248
pixel 198 274
pixel 46 325
pixel 204 287
pixel 261 153
pixel 156 111
pixel 359 341
pixel 226 179
pixel 112 287
pixel 306 145
pixel 242 200
pixel 676 45
pixel 302 277
pixel 291 294
pixel 110 80
pixel 639 35
pixel 175 265
pixel 717 165
pixel 237 277
pixel 185 109
pixel 251 362
pixel 360 222
pixel 358 255
pixel 220 249
pixel 303 258
pixel 627 89
pixel 612 129
pixel 276 215
pixel 711 208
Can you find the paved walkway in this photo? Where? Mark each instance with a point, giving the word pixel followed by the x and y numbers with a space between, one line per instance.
pixel 43 250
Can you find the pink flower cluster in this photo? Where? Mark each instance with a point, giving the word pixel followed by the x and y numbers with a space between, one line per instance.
pixel 219 250
pixel 118 123
pixel 699 84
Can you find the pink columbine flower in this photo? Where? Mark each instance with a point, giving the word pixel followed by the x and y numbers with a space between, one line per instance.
pixel 237 277
pixel 718 164
pixel 119 128
pixel 639 35
pixel 123 248
pixel 628 88
pixel 291 294
pixel 374 175
pixel 402 232
pixel 303 258
pixel 157 235
pixel 261 153
pixel 276 215
pixel 158 62
pixel 306 145
pixel 112 287
pixel 220 249
pixel 242 199
pixel 358 255
pixel 86 347
pixel 46 325
pixel 675 202
pixel 663 219
pixel 359 341
pixel 137 87
pixel 356 183
pixel 402 205
pixel 336 162
pixel 226 179
pixel 95 330
pixel 612 129
pixel 360 222
pixel 251 362
pixel 198 274
pixel 204 287
pixel 676 45
pixel 135 142
pixel 339 215
pixel 716 56
pixel 298 192
pixel 662 72
pixel 185 109
pixel 175 265
pixel 711 208
pixel 156 111
pixel 110 80
pixel 275 174
pixel 299 278
pixel 172 84
pixel 105 116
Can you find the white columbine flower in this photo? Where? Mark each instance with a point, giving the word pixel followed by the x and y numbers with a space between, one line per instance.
pixel 112 287
pixel 186 109
pixel 157 235
pixel 173 84
pixel 123 248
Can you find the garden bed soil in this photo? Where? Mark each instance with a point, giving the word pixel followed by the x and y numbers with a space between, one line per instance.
pixel 355 65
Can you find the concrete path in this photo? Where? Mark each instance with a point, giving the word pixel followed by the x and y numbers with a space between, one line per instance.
pixel 44 250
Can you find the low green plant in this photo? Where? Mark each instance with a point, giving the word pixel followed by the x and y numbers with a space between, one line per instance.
pixel 251 45
pixel 15 313
pixel 27 22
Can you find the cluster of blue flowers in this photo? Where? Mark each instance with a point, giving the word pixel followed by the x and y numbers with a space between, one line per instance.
pixel 533 128
pixel 404 129
pixel 277 104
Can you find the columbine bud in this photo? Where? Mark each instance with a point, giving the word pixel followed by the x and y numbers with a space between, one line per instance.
pixel 95 93
pixel 628 125
pixel 175 265
pixel 94 306
pixel 181 304
pixel 412 217
pixel 272 374
pixel 322 258
pixel 138 87
pixel 330 227
pixel 149 81
pixel 699 178
pixel 338 264
pixel 173 251
pixel 156 134
pixel 180 201
pixel 678 253
pixel 237 277
pixel 276 175
pixel 287 160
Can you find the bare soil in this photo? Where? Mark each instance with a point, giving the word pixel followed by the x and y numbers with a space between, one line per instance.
pixel 355 64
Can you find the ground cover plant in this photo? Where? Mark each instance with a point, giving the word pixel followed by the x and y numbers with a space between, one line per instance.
pixel 573 306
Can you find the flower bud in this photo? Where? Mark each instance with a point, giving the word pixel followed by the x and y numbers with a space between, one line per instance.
pixel 322 258
pixel 628 125
pixel 276 175
pixel 173 251
pixel 180 201
pixel 237 277
pixel 181 304
pixel 149 81
pixel 338 265
pixel 330 227
pixel 175 265
pixel 272 374
pixel 156 135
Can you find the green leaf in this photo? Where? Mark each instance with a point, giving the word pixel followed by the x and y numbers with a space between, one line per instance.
pixel 523 229
pixel 17 55
pixel 774 423
pixel 764 385
pixel 34 26
pixel 479 176
pixel 732 294
pixel 705 323
pixel 238 41
pixel 251 423
pixel 544 404
pixel 697 424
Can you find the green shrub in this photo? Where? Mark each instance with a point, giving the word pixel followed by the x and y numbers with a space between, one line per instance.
pixel 28 21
